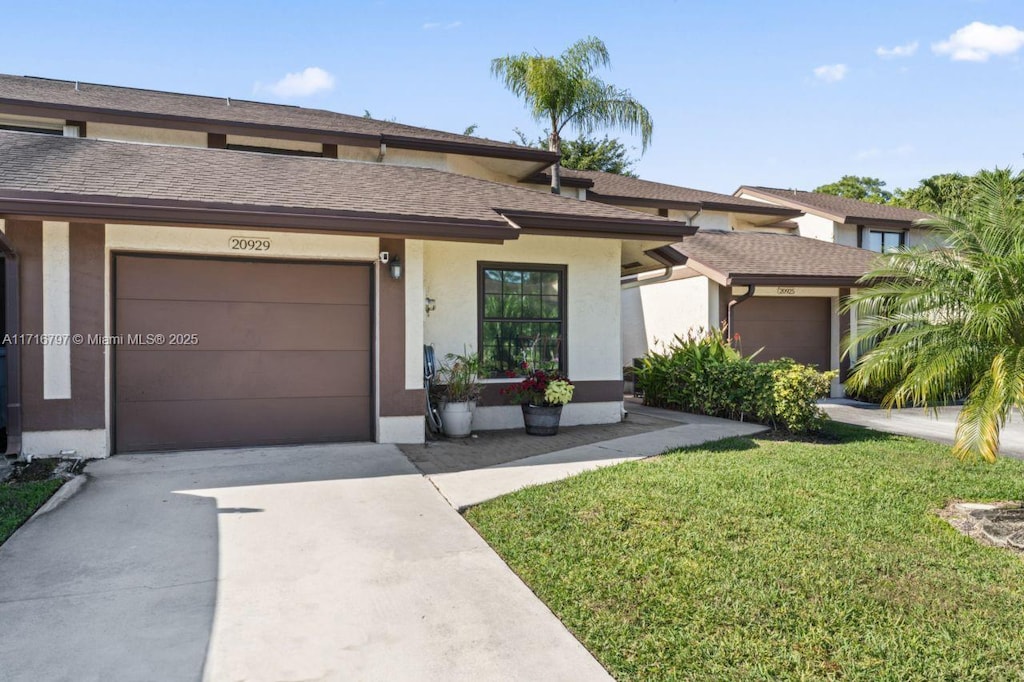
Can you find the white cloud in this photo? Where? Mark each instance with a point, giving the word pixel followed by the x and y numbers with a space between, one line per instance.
pixel 907 50
pixel 831 73
pixel 432 25
pixel 976 42
pixel 307 82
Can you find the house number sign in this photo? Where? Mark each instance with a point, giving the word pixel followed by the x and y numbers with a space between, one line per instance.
pixel 248 244
pixel 785 291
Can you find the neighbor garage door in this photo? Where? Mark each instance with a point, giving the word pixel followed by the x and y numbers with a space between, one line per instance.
pixel 282 353
pixel 797 328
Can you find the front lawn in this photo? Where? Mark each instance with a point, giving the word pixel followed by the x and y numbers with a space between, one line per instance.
pixel 18 501
pixel 774 559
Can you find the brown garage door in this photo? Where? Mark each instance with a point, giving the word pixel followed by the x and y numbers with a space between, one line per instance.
pixel 797 328
pixel 283 353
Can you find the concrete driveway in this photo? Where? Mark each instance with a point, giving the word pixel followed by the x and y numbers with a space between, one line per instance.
pixel 311 563
pixel 913 421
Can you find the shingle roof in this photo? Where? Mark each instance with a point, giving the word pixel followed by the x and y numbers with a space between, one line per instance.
pixel 614 189
pixel 157 104
pixel 737 258
pixel 83 170
pixel 839 209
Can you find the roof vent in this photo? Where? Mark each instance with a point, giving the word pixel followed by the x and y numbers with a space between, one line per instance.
pixel 76 86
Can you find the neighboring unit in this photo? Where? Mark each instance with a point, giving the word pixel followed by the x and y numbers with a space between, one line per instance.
pixel 765 271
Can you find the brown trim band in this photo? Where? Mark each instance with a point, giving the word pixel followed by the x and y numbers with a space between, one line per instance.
pixel 617 200
pixel 586 392
pixel 119 209
pixel 12 317
pixel 793 280
pixel 621 228
pixel 642 202
pixel 567 181
pixel 197 123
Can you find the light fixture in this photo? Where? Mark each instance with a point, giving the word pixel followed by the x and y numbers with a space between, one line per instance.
pixel 395 267
pixel 431 306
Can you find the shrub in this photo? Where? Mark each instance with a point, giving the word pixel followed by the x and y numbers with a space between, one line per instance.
pixel 795 390
pixel 704 374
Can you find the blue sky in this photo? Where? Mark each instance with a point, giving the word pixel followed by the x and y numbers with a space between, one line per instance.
pixel 731 85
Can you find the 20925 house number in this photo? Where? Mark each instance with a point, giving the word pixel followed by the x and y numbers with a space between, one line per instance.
pixel 785 291
pixel 249 244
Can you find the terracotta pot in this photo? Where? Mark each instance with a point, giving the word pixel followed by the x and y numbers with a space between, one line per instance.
pixel 542 420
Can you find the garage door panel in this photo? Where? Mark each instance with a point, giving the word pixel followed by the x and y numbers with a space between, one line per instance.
pixel 144 426
pixel 154 278
pixel 175 375
pixel 798 328
pixel 222 325
pixel 283 355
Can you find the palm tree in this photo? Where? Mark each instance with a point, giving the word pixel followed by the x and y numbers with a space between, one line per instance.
pixel 948 323
pixel 562 91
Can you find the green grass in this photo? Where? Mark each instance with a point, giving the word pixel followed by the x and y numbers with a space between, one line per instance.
pixel 18 501
pixel 773 559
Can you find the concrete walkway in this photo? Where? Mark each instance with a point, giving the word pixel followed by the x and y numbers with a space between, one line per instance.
pixel 312 563
pixel 919 423
pixel 466 488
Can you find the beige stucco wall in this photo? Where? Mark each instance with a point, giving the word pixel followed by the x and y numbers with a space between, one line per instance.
pixel 653 313
pixel 113 131
pixel 592 290
pixel 31 121
pixel 273 143
pixel 707 220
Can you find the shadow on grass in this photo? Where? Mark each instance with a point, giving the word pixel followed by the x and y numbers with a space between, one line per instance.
pixel 833 433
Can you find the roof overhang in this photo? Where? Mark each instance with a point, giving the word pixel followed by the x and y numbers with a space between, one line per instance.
pixel 566 180
pixel 641 202
pixel 775 212
pixel 616 228
pixel 93 208
pixel 208 125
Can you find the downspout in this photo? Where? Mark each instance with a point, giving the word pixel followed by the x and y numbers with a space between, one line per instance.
pixel 732 304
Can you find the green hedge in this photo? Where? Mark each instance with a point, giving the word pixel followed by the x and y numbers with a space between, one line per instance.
pixel 702 373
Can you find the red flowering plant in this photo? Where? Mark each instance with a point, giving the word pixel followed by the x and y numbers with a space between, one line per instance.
pixel 540 388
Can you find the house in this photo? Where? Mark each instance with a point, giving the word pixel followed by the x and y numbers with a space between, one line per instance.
pixel 876 227
pixel 188 272
pixel 749 267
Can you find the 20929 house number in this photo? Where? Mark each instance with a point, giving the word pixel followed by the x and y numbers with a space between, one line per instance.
pixel 248 244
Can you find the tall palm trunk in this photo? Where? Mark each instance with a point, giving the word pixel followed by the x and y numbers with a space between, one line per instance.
pixel 555 145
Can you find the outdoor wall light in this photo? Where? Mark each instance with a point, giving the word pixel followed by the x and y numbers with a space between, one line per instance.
pixel 430 306
pixel 395 267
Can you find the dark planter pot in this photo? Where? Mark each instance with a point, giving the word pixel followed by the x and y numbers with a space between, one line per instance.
pixel 542 420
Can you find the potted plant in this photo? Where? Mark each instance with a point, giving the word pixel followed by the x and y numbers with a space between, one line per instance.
pixel 542 396
pixel 459 379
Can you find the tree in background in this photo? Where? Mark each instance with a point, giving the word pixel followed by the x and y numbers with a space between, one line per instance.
pixel 607 154
pixel 947 323
pixel 563 91
pixel 860 188
pixel 950 193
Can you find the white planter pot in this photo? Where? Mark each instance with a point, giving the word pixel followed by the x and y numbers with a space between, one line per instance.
pixel 457 419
